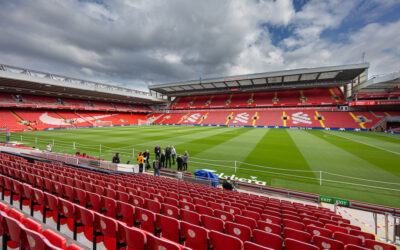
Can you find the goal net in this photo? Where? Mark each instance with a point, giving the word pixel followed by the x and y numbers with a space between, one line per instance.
pixel 100 123
pixel 144 122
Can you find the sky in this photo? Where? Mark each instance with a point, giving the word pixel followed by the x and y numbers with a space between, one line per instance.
pixel 143 42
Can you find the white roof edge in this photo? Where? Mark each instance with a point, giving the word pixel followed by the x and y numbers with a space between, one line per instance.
pixel 73 83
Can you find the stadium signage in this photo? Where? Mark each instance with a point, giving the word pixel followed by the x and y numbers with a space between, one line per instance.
pixel 343 203
pixel 235 178
pixel 326 199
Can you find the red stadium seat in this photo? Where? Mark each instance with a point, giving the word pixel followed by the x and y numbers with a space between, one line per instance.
pixel 170 210
pixel 83 217
pixel 232 210
pixel 50 205
pixel 296 234
pixel 190 216
pixel 146 219
pixel 131 237
pixel 12 230
pixel 204 210
pixel 223 215
pixel 137 200
pixel 125 212
pixel 152 205
pixel 313 230
pixel 251 214
pixel 271 219
pixel 220 241
pixel 362 235
pixel 108 206
pixel 93 201
pixel 293 224
pixel 265 239
pixel 347 238
pixel 195 237
pixel 334 228
pixel 106 227
pixel 240 231
pixel 372 244
pixel 186 205
pixel 37 241
pixel 66 211
pixel 327 243
pixel 246 221
pixel 269 228
pixel 55 239
pixel 155 243
pixel 291 244
pixel 307 222
pixel 354 247
pixel 169 227
pixel 212 223
pixel 248 245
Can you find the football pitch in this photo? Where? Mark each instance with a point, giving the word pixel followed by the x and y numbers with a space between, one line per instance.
pixel 361 166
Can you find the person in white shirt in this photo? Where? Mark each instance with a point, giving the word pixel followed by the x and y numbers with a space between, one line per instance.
pixel 173 154
pixel 48 147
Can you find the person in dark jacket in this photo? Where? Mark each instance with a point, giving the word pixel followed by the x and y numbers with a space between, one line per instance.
pixel 156 166
pixel 179 161
pixel 157 151
pixel 162 159
pixel 146 156
pixel 116 158
pixel 227 185
pixel 168 157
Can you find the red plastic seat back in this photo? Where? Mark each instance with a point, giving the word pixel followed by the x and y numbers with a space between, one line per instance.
pixel 292 244
pixel 154 243
pixel 267 239
pixel 220 240
pixel 212 223
pixel 237 230
pixel 297 235
pixel 195 237
pixel 372 244
pixel 55 239
pixel 327 243
pixel 190 216
pixel 131 236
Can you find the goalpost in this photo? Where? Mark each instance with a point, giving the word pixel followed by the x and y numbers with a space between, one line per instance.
pixel 143 122
pixel 102 123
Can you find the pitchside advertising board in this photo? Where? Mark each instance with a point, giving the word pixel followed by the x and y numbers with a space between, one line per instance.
pixel 252 180
pixel 331 200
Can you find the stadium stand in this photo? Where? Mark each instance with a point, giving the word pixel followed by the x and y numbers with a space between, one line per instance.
pixel 101 207
pixel 319 96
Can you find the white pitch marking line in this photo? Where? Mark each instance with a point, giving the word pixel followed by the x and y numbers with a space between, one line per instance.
pixel 397 153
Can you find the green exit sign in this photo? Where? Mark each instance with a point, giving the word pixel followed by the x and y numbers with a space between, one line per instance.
pixel 326 199
pixel 343 203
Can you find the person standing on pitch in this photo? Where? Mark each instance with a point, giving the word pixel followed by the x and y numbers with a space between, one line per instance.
pixel 116 159
pixel 156 166
pixel 179 162
pixel 140 162
pixel 162 160
pixel 173 153
pixel 146 156
pixel 48 147
pixel 157 151
pixel 8 136
pixel 185 161
pixel 168 157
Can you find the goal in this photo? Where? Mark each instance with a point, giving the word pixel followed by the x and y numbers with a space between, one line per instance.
pixel 102 123
pixel 143 122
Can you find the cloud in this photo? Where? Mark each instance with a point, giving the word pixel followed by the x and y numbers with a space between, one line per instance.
pixel 135 43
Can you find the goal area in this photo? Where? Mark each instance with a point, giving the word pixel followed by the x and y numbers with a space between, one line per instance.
pixel 143 122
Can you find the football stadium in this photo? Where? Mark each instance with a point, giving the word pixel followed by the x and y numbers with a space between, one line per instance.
pixel 285 158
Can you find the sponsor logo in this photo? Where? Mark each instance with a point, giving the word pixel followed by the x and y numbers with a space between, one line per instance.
pixel 252 180
pixel 300 117
pixel 242 118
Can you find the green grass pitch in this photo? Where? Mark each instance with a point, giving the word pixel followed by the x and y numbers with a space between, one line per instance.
pixel 360 166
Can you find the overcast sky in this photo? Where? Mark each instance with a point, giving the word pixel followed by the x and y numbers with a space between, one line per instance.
pixel 135 43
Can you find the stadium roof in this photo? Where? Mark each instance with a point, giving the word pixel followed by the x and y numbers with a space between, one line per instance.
pixel 287 79
pixel 383 83
pixel 25 81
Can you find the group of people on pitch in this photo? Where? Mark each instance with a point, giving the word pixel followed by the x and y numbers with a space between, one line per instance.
pixel 163 159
